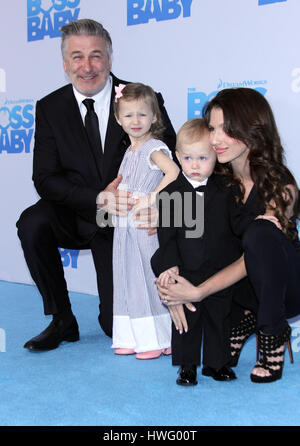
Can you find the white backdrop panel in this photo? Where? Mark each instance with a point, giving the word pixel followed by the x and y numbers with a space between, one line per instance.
pixel 187 49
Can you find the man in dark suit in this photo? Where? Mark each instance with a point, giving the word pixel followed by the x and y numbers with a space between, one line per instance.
pixel 198 249
pixel 77 153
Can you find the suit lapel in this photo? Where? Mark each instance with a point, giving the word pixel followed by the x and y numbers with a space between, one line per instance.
pixel 116 138
pixel 210 191
pixel 183 184
pixel 192 215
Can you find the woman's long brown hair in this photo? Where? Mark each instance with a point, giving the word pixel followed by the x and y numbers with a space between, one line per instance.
pixel 248 117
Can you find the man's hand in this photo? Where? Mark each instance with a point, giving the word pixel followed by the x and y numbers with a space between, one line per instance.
pixel 270 218
pixel 148 218
pixel 114 201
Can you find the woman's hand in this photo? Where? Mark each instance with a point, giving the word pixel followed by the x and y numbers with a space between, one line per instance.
pixel 180 292
pixel 270 218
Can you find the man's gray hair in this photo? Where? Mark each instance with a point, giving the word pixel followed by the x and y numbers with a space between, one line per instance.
pixel 85 27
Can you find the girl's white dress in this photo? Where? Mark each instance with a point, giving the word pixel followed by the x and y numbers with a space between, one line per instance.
pixel 140 321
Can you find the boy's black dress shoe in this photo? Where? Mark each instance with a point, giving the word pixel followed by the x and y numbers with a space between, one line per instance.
pixel 53 335
pixel 187 375
pixel 224 374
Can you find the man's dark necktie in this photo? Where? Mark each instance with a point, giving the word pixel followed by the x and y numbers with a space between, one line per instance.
pixel 200 188
pixel 92 127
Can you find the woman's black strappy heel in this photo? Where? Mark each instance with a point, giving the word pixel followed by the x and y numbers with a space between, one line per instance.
pixel 239 336
pixel 271 355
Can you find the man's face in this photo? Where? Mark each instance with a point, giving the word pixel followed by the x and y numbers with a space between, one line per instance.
pixel 87 63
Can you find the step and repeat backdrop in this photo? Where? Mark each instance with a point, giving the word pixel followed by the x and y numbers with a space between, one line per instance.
pixel 186 49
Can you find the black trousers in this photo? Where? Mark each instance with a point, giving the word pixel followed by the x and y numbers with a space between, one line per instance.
pixel 41 232
pixel 210 323
pixel 273 267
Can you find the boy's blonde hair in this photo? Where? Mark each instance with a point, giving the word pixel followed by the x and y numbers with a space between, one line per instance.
pixel 191 131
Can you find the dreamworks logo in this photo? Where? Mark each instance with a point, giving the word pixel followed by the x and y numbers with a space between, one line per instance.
pixel 2 81
pixel 46 17
pixel 197 99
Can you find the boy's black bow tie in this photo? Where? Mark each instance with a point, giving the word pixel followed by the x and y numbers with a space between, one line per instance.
pixel 200 188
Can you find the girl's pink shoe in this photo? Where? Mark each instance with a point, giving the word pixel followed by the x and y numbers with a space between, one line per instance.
pixel 124 351
pixel 153 353
pixel 149 355
pixel 167 351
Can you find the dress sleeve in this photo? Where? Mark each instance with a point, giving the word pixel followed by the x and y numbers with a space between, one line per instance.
pixel 160 146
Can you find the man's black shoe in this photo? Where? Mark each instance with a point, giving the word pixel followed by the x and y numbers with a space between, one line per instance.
pixel 187 375
pixel 53 335
pixel 224 374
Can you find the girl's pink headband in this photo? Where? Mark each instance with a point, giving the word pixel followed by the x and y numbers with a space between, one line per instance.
pixel 118 90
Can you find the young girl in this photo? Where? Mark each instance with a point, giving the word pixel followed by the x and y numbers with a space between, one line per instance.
pixel 141 323
pixel 248 147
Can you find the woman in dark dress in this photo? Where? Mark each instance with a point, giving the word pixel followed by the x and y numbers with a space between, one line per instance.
pixel 246 140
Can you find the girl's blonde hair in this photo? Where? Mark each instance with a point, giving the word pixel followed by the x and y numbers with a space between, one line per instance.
pixel 136 91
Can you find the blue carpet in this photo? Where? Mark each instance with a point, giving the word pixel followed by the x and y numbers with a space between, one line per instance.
pixel 85 384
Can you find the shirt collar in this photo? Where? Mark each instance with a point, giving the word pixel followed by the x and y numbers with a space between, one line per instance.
pixel 101 99
pixel 195 183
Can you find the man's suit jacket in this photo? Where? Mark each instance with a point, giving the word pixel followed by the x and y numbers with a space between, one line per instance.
pixel 66 170
pixel 198 258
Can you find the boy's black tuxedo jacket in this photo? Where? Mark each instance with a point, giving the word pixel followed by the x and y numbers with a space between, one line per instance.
pixel 199 258
pixel 66 170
